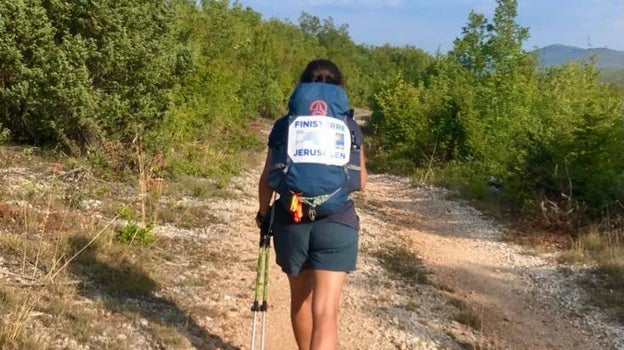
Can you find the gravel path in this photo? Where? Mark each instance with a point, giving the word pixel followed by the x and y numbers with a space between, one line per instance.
pixel 477 292
pixel 433 273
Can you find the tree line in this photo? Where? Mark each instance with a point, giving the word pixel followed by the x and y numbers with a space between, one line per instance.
pixel 486 112
pixel 186 78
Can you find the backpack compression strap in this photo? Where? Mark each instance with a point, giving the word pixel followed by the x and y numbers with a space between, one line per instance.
pixel 298 200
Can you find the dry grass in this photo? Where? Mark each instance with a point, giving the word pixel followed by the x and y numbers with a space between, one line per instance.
pixel 473 318
pixel 605 251
pixel 64 277
pixel 39 273
pixel 17 305
pixel 469 318
pixel 403 264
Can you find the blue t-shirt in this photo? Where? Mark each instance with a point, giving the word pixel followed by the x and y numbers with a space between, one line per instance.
pixel 346 215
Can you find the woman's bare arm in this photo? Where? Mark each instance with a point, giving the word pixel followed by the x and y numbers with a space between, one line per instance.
pixel 363 170
pixel 264 191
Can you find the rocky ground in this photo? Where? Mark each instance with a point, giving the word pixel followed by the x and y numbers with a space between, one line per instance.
pixel 436 274
pixel 433 273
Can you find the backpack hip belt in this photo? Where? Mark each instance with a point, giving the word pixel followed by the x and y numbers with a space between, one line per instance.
pixel 297 201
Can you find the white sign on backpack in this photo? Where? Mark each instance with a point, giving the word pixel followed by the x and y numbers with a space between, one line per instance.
pixel 320 140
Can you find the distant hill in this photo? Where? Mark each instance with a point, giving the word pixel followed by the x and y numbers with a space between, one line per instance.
pixel 606 59
pixel 609 62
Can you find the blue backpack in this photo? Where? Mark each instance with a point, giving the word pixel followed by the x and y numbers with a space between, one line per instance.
pixel 317 164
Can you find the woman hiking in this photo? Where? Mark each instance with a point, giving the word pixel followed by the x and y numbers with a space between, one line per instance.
pixel 315 159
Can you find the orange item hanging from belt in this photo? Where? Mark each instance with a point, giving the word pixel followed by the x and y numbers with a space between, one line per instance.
pixel 296 207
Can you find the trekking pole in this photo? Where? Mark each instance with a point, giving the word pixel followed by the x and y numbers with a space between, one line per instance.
pixel 265 289
pixel 255 306
pixel 262 281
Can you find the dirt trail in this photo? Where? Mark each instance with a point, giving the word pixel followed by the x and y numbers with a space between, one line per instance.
pixel 433 273
pixel 511 298
pixel 499 282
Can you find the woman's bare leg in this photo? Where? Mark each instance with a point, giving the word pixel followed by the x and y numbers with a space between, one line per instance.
pixel 301 307
pixel 327 287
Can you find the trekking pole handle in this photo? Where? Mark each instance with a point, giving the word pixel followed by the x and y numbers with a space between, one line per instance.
pixel 266 226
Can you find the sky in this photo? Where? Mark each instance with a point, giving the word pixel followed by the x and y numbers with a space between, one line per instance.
pixel 432 25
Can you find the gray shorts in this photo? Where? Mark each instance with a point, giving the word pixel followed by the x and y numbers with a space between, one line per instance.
pixel 318 245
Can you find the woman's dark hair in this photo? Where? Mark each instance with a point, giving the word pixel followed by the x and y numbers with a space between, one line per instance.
pixel 321 71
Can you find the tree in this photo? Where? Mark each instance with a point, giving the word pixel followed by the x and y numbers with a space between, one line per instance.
pixel 471 50
pixel 486 47
pixel 505 42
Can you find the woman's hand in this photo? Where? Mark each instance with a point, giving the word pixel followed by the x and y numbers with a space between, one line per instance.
pixel 260 219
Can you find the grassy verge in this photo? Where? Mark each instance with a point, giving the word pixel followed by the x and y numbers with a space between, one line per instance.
pixel 402 264
pixel 604 251
pixel 80 263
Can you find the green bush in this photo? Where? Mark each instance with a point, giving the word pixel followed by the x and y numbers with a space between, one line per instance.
pixel 5 135
pixel 575 153
pixel 399 126
pixel 77 73
pixel 133 231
